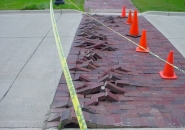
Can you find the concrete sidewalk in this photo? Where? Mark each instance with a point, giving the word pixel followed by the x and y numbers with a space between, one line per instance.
pixel 29 65
pixel 171 25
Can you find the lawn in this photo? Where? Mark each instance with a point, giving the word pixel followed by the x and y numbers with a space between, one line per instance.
pixel 37 4
pixel 160 5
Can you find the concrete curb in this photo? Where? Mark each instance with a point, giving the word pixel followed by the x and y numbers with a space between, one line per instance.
pixel 64 11
pixel 163 13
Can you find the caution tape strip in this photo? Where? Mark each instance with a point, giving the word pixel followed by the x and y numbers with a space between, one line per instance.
pixel 67 75
pixel 126 38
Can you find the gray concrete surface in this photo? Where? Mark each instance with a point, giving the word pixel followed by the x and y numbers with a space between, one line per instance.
pixel 29 65
pixel 171 26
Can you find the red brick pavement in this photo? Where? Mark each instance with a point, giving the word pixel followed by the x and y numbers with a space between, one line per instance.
pixel 125 88
pixel 108 4
pixel 149 100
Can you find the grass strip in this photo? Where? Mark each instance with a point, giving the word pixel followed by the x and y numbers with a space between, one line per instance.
pixel 37 4
pixel 160 5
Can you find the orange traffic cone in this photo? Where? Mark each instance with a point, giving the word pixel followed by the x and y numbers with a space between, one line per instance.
pixel 129 20
pixel 143 43
pixel 168 72
pixel 123 15
pixel 134 29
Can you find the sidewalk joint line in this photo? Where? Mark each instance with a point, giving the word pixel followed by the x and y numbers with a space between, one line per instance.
pixel 28 61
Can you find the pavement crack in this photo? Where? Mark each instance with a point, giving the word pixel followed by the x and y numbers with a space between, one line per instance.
pixel 179 20
pixel 28 61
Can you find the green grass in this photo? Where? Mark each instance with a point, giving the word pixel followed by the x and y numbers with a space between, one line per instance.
pixel 37 4
pixel 160 5
pixel 60 126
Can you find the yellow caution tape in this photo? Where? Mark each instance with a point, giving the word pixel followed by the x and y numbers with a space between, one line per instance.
pixel 67 75
pixel 126 38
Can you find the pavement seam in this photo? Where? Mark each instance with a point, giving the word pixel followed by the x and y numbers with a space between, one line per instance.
pixel 27 61
pixel 179 20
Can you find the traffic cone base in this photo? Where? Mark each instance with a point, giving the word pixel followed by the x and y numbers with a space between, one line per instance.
pixel 133 35
pixel 168 71
pixel 167 77
pixel 138 49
